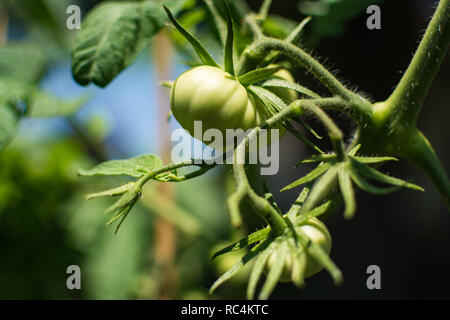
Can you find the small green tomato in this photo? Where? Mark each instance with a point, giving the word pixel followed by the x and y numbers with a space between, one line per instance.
pixel 319 234
pixel 210 95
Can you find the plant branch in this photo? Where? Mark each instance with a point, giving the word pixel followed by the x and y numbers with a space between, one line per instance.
pixel 407 99
pixel 257 51
pixel 243 188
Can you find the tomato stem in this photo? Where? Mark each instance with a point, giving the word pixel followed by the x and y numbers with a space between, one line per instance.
pixel 260 48
pixel 407 99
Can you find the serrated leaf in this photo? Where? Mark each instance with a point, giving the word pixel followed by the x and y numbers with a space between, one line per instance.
pixel 377 175
pixel 131 167
pixel 111 37
pixel 245 242
pixel 313 174
pixel 9 120
pixel 345 184
pixel 198 47
pixel 257 75
pixel 279 83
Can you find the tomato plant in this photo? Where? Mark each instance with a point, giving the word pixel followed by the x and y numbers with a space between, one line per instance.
pixel 253 92
pixel 252 87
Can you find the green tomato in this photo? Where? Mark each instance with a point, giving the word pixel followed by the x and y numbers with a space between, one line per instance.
pixel 319 234
pixel 210 95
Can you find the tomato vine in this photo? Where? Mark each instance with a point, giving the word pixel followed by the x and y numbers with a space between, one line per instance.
pixel 386 129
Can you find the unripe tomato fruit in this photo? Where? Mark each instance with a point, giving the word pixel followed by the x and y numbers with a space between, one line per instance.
pixel 319 234
pixel 208 94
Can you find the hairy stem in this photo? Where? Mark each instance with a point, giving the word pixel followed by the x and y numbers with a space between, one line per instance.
pixel 407 99
pixel 243 188
pixel 257 51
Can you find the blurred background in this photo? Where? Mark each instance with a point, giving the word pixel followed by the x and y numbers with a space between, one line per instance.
pixel 162 250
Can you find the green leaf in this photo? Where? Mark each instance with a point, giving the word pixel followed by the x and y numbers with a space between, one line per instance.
pixel 354 150
pixel 126 200
pixel 111 37
pixel 9 120
pixel 317 158
pixel 296 34
pixel 301 137
pixel 275 272
pixel 312 175
pixel 370 160
pixel 229 64
pixel 277 26
pixel 299 268
pixel 111 192
pixel 257 271
pixel 366 186
pixel 308 128
pixel 320 256
pixel 320 189
pixel 270 100
pixel 245 242
pixel 238 265
pixel 279 83
pixel 257 75
pixel 44 105
pixel 269 197
pixel 345 184
pixel 198 47
pixel 377 175
pixel 134 167
pixel 219 25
